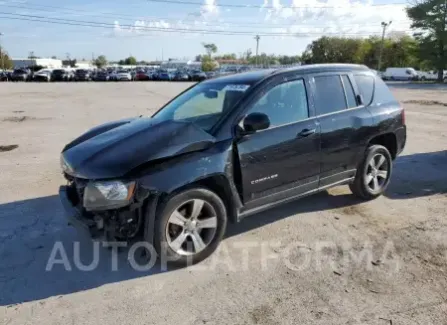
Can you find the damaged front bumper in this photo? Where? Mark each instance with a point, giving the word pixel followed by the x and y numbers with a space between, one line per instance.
pixel 116 224
pixel 74 215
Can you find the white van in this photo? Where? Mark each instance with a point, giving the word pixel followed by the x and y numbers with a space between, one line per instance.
pixel 400 74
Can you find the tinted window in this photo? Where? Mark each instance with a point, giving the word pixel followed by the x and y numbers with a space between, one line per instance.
pixel 382 93
pixel 330 96
pixel 284 103
pixel 365 85
pixel 350 96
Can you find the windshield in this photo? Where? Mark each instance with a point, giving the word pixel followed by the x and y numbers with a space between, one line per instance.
pixel 59 71
pixel 203 104
pixel 122 71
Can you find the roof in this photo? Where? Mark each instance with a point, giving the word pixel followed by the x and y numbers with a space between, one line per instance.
pixel 253 77
pixel 250 77
pixel 326 67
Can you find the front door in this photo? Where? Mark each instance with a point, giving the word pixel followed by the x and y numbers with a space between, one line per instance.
pixel 282 160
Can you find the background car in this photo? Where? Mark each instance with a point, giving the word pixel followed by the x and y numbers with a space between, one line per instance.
pixel 142 75
pixel 83 75
pixel 43 75
pixel 4 76
pixel 164 75
pixel 21 75
pixel 181 76
pixel 122 75
pixel 211 74
pixel 62 75
pixel 102 75
pixel 198 75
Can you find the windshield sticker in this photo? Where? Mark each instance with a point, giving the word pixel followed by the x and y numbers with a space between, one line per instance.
pixel 236 87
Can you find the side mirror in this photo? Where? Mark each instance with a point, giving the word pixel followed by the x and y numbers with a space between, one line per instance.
pixel 255 122
pixel 211 94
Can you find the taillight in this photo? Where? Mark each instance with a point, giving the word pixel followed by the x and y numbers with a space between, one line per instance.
pixel 403 116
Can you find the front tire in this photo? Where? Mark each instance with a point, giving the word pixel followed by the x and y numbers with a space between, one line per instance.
pixel 373 174
pixel 189 227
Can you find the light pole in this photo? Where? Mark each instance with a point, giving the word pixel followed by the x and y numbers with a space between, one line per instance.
pixel 257 38
pixel 2 55
pixel 384 26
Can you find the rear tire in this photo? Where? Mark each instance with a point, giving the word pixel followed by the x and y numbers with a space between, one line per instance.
pixel 176 222
pixel 373 174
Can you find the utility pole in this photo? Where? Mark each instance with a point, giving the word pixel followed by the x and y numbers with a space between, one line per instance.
pixel 2 55
pixel 257 38
pixel 384 26
pixel 31 56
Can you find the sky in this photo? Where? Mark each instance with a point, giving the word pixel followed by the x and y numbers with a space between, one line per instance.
pixel 162 29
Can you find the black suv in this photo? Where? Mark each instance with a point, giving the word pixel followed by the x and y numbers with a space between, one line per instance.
pixel 21 75
pixel 83 75
pixel 62 75
pixel 230 147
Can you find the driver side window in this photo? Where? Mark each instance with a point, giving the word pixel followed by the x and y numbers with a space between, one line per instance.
pixel 284 103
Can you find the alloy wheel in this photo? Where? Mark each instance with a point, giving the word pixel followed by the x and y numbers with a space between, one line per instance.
pixel 377 172
pixel 191 227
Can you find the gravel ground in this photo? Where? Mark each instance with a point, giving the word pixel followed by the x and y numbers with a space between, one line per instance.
pixel 327 259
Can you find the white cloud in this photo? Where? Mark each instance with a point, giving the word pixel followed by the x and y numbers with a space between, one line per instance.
pixel 314 18
pixel 206 18
pixel 209 9
pixel 142 27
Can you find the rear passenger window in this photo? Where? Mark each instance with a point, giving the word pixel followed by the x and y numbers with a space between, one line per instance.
pixel 365 85
pixel 330 96
pixel 350 96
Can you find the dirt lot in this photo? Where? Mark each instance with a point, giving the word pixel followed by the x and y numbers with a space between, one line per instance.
pixel 381 262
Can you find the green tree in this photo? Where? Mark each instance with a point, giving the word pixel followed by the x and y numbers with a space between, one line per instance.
pixel 248 54
pixel 130 61
pixel 5 60
pixel 429 17
pixel 230 56
pixel 100 61
pixel 208 64
pixel 399 51
pixel 210 48
pixel 334 50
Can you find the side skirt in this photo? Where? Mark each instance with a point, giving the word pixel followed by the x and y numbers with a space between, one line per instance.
pixel 249 212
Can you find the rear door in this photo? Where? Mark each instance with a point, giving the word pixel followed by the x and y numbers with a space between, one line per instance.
pixel 345 125
pixel 282 160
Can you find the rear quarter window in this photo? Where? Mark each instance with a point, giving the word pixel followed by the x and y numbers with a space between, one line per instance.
pixel 382 94
pixel 365 85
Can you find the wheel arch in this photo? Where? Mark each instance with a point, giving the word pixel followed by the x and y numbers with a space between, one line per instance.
pixel 388 140
pixel 216 183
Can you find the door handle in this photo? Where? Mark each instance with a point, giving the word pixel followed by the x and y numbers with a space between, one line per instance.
pixel 307 132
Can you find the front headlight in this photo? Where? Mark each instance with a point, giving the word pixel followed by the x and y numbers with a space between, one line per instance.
pixel 108 195
pixel 65 166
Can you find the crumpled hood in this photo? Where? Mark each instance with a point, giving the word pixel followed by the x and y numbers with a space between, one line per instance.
pixel 113 149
